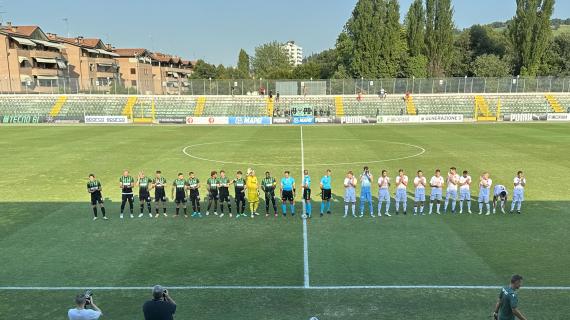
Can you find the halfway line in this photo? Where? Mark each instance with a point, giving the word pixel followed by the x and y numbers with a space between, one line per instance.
pixel 306 284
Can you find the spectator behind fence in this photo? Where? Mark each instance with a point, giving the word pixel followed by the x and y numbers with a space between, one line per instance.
pixel 161 307
pixel 80 312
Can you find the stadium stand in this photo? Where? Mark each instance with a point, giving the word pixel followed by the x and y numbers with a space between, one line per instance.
pixel 148 108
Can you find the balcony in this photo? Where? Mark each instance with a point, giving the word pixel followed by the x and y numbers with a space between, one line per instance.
pixel 43 54
pixel 47 72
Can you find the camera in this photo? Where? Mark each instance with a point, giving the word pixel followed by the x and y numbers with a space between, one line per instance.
pixel 87 295
pixel 164 293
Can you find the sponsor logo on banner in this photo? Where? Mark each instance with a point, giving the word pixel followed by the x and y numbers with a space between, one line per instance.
pixel 303 120
pixel 442 118
pixel 355 120
pixel 106 119
pixel 281 120
pixel 66 121
pixel 207 120
pixel 525 117
pixel 22 119
pixel 398 119
pixel 249 120
pixel 558 117
pixel 172 120
pixel 324 120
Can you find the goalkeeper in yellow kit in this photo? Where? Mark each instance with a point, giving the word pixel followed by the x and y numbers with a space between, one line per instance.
pixel 252 192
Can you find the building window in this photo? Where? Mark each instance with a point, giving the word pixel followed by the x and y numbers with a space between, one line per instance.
pixel 133 71
pixel 134 83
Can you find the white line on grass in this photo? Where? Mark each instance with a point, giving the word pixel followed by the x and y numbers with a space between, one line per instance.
pixel 306 284
pixel 392 287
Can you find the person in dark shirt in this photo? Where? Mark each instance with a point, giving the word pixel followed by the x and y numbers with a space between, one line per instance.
pixel 161 307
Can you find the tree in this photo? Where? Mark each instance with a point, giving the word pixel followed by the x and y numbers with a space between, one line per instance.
pixel 439 35
pixel 243 66
pixel 392 46
pixel 530 34
pixel 327 61
pixel 308 70
pixel 204 70
pixel 416 67
pixel 490 65
pixel 415 28
pixel 271 61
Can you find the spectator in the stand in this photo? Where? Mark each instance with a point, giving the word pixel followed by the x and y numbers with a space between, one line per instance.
pixel 359 96
pixel 305 91
pixel 277 97
pixel 402 111
pixel 161 307
pixel 407 96
pixel 270 94
pixel 382 93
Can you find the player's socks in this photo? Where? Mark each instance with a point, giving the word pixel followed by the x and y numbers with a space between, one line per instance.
pixel 488 207
pixel 177 210
pixel 329 206
pixel 415 210
pixel 397 206
pixel 445 205
pixel 103 211
pixel 480 207
pixel 284 208
pixel 309 209
pixel 142 208
pixel 513 206
pixel 292 209
pixel 421 209
pixel 354 209
pixel 469 206
pixel 453 205
pixel 438 205
pixel 164 210
pixel 322 207
pixel 229 208
pixel 430 208
pixel 519 205
pixel 345 210
pixel 95 212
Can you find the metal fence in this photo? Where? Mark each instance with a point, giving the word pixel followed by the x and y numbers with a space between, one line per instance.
pixel 290 87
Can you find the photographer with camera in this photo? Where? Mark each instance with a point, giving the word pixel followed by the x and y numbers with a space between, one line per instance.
pixel 161 307
pixel 80 312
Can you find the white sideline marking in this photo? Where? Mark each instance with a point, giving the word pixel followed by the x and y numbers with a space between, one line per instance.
pixel 305 238
pixel 392 287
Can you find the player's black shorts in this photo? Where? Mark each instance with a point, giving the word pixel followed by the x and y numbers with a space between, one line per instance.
pixel 502 196
pixel 125 197
pixel 306 194
pixel 144 195
pixel 287 195
pixel 180 197
pixel 326 194
pixel 240 196
pixel 224 194
pixel 269 193
pixel 159 195
pixel 213 194
pixel 194 194
pixel 96 197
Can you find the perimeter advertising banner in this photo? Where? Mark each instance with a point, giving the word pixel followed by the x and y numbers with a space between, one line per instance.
pixel 249 120
pixel 435 118
pixel 22 119
pixel 106 120
pixel 355 120
pixel 558 117
pixel 525 117
pixel 207 120
pixel 303 120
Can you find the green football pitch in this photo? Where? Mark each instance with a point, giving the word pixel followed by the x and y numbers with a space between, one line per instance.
pixel 399 267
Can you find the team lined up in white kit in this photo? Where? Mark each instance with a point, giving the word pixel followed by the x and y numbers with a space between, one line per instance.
pixel 458 189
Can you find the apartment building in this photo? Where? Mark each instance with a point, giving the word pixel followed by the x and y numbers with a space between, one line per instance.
pixel 92 67
pixel 170 74
pixel 135 69
pixel 294 52
pixel 30 61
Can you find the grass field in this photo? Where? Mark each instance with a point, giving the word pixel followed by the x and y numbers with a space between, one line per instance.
pixel 47 238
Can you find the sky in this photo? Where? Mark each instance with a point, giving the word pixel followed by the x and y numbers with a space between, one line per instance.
pixel 215 30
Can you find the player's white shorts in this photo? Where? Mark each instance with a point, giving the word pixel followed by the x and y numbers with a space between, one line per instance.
pixel 451 194
pixel 420 195
pixel 436 194
pixel 401 195
pixel 384 195
pixel 518 195
pixel 349 195
pixel 465 195
pixel 484 195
